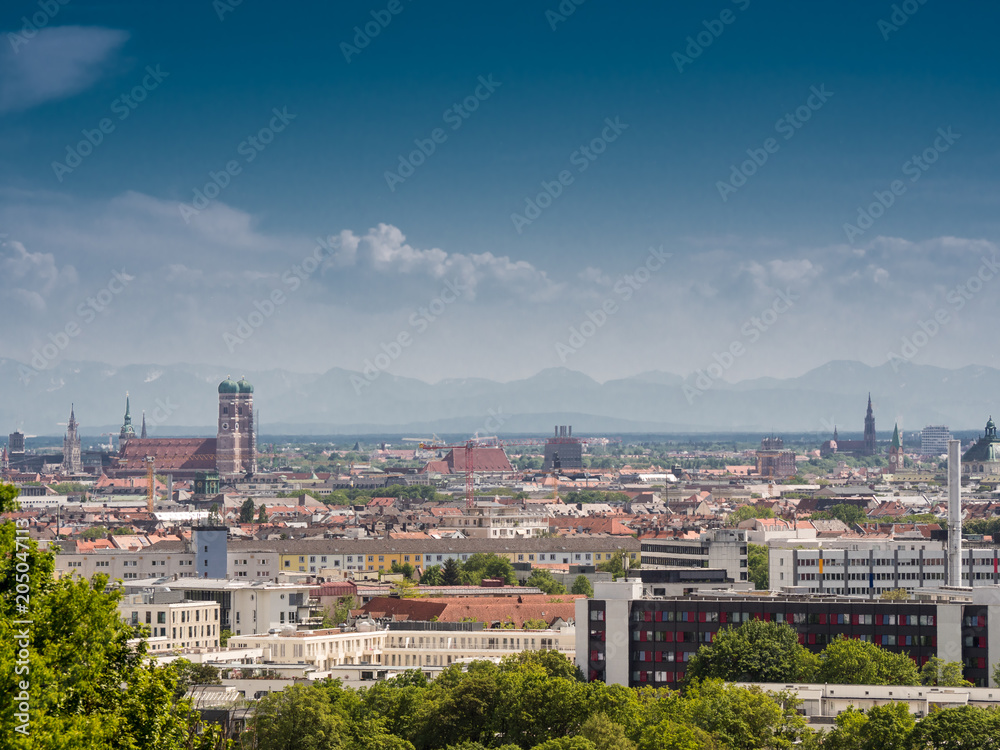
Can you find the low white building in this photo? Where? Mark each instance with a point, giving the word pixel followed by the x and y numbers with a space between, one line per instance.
pixel 402 645
pixel 245 607
pixel 821 702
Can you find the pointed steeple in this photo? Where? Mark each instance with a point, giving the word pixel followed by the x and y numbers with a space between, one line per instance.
pixel 128 418
pixel 127 431
pixel 143 433
pixel 896 442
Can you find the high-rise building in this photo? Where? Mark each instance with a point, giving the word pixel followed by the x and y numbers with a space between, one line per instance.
pixel 934 440
pixel 562 450
pixel 15 445
pixel 72 461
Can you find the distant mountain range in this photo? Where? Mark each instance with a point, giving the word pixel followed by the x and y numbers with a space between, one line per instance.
pixel 182 399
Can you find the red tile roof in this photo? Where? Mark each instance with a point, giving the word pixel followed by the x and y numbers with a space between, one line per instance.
pixel 170 453
pixel 481 609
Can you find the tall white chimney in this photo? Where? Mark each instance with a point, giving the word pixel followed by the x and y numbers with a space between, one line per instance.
pixel 954 513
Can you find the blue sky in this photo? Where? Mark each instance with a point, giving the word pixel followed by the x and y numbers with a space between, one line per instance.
pixel 389 251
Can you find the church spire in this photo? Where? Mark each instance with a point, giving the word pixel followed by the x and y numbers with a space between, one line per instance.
pixel 143 433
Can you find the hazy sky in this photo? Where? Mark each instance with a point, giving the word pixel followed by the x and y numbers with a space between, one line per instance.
pixel 485 179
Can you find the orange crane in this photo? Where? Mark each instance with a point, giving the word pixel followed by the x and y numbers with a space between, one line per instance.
pixel 469 471
pixel 151 477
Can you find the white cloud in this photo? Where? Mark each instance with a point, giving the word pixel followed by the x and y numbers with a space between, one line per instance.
pixel 57 63
pixel 384 249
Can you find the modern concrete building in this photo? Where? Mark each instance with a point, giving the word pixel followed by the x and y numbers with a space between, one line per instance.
pixel 209 544
pixel 563 451
pixel 245 607
pixel 857 569
pixel 628 639
pixel 720 548
pixel 934 440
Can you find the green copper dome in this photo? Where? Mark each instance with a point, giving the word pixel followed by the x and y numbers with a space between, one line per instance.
pixel 244 386
pixel 228 386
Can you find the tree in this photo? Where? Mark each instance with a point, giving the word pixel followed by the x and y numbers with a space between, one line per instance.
pixel 432 576
pixel 298 717
pixel 451 573
pixel 941 673
pixel 964 727
pixel 187 673
pixel 94 532
pixel 746 512
pixel 885 727
pixel 847 661
pixel 566 743
pixel 605 734
pixel 487 565
pixel 542 579
pixel 262 514
pixel 582 586
pixel 535 624
pixel 224 637
pixel 87 685
pixel 246 511
pixel 745 718
pixel 8 498
pixel 616 565
pixel 672 735
pixel 756 651
pixel 553 663
pixel 849 514
pixel 895 595
pixel 758 562
pixel 340 612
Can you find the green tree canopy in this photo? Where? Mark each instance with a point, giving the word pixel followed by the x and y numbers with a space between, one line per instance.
pixel 758 564
pixel 87 685
pixel 885 727
pixel 961 728
pixel 746 512
pixel 582 586
pixel 756 651
pixel 543 579
pixel 432 576
pixel 451 572
pixel 849 661
pixel 487 565
pixel 246 511
pixel 941 673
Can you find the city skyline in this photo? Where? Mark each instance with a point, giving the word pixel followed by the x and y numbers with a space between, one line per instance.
pixel 615 193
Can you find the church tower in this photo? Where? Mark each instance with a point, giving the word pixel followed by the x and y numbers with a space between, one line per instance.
pixel 869 429
pixel 236 441
pixel 127 431
pixel 143 433
pixel 72 463
pixel 895 452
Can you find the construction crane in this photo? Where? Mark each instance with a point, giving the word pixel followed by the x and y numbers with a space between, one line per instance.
pixel 468 447
pixel 151 477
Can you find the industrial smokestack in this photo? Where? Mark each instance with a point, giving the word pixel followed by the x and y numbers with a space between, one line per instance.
pixel 955 513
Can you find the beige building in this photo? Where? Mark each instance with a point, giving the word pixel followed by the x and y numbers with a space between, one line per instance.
pixel 495 521
pixel 174 623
